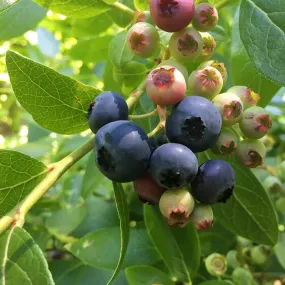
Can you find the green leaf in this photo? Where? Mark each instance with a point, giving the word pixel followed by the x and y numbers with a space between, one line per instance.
pixel 279 250
pixel 262 31
pixel 141 5
pixel 24 14
pixel 56 102
pixel 25 263
pixel 101 248
pixel 76 8
pixel 249 213
pixel 5 4
pixel 243 71
pixel 19 174
pixel 145 275
pixel 123 213
pixel 189 244
pixel 64 221
pixel 165 243
pixel 215 282
pixel 91 50
pixel 119 51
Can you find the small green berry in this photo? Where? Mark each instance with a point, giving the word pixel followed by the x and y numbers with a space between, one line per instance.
pixel 216 264
pixel 272 184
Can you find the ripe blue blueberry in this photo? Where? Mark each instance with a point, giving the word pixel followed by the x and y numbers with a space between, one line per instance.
pixel 122 151
pixel 214 182
pixel 173 166
pixel 194 122
pixel 108 107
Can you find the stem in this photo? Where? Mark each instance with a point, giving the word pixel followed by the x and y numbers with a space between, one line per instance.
pixel 162 119
pixel 138 117
pixel 135 96
pixel 56 170
pixel 123 8
pixel 6 90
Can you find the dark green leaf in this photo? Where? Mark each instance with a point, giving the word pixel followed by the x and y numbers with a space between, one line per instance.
pixel 249 213
pixel 262 31
pixel 25 263
pixel 123 213
pixel 189 244
pixel 119 51
pixel 101 248
pixel 165 243
pixel 19 174
pixel 55 101
pixel 145 275
pixel 243 71
pixel 76 8
pixel 19 18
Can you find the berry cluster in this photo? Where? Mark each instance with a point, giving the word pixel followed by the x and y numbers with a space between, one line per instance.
pixel 164 168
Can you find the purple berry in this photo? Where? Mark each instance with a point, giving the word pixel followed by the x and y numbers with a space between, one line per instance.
pixel 176 206
pixel 209 45
pixel 143 39
pixel 202 217
pixel 251 153
pixel 226 144
pixel 165 85
pixel 148 190
pixel 214 182
pixel 186 45
pixel 205 17
pixel 108 107
pixel 206 82
pixel 255 122
pixel 172 15
pixel 230 108
pixel 248 97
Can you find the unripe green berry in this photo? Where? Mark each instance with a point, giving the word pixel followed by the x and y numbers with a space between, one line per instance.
pixel 143 39
pixel 209 45
pixel 143 16
pixel 230 108
pixel 177 65
pixel 280 205
pixel 281 171
pixel 186 45
pixel 218 65
pixel 216 264
pixel 226 144
pixel 260 254
pixel 251 153
pixel 176 206
pixel 242 243
pixel 206 82
pixel 202 217
pixel 272 184
pixel 255 122
pixel 248 97
pixel 232 259
pixel 242 276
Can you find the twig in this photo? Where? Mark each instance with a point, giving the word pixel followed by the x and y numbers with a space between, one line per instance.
pixel 143 116
pixel 123 8
pixel 162 119
pixel 135 96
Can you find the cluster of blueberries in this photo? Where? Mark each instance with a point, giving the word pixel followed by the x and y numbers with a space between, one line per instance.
pixel 164 168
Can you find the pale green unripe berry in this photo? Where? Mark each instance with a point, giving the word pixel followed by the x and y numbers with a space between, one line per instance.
pixel 177 65
pixel 242 276
pixel 260 254
pixel 232 259
pixel 202 217
pixel 216 264
pixel 272 184
pixel 243 243
pixel 280 205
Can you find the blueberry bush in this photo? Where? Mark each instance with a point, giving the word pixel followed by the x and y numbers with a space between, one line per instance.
pixel 142 142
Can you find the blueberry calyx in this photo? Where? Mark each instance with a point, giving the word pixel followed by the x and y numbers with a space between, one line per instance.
pixel 163 78
pixel 187 45
pixel 254 159
pixel 171 178
pixel 166 7
pixel 89 111
pixel 194 128
pixel 233 110
pixel 105 159
pixel 208 16
pixel 226 195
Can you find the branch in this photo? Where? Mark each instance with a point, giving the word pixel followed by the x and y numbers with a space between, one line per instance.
pixel 56 170
pixel 143 116
pixel 162 119
pixel 123 8
pixel 135 96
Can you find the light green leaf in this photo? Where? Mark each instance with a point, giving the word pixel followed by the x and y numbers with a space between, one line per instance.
pixel 189 244
pixel 64 221
pixel 19 174
pixel 262 31
pixel 76 8
pixel 5 4
pixel 101 248
pixel 145 275
pixel 119 51
pixel 249 213
pixel 20 17
pixel 165 243
pixel 123 213
pixel 141 5
pixel 91 50
pixel 243 71
pixel 25 263
pixel 56 102
pixel 279 250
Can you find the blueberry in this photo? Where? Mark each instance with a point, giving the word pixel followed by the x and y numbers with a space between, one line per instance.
pixel 173 165
pixel 195 122
pixel 122 151
pixel 108 107
pixel 214 182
